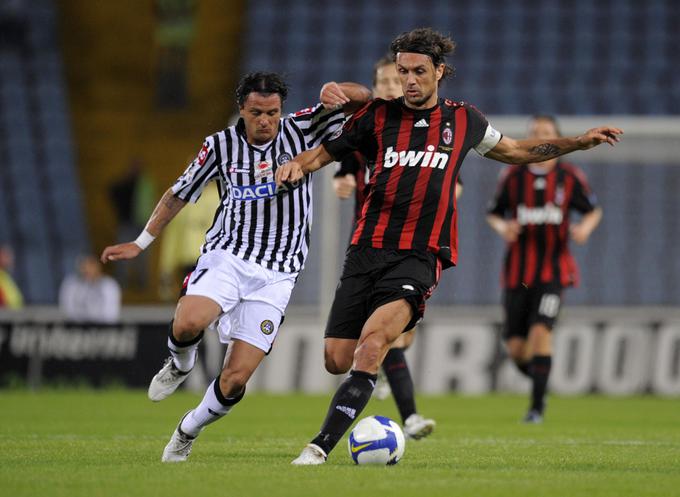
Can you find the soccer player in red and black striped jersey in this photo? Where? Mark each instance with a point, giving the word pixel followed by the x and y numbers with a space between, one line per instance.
pixel 352 177
pixel 407 232
pixel 531 212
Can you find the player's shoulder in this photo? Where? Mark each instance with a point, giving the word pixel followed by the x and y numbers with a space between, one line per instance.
pixel 452 106
pixel 220 136
pixel 573 170
pixel 449 103
pixel 377 103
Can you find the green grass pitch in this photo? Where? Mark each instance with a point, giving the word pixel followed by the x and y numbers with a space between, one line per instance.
pixel 108 443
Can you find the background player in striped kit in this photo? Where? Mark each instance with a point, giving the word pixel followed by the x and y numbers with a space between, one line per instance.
pixel 408 229
pixel 255 248
pixel 352 177
pixel 531 211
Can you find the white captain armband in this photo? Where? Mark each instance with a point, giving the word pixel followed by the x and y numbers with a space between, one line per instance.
pixel 144 239
pixel 490 140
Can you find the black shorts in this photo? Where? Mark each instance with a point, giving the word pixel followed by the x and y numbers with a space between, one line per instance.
pixel 375 277
pixel 525 307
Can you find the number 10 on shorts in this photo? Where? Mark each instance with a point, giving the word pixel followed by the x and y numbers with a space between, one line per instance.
pixel 550 305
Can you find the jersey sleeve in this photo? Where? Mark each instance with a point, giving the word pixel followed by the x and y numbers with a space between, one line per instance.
pixel 318 123
pixel 349 165
pixel 500 203
pixel 583 199
pixel 203 169
pixel 357 133
pixel 482 135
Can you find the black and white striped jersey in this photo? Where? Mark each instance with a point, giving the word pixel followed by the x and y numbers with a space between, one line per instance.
pixel 256 220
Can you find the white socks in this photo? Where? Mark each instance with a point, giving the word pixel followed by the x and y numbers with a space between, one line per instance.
pixel 184 354
pixel 213 406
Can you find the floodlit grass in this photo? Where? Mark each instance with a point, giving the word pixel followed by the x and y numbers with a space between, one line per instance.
pixel 108 443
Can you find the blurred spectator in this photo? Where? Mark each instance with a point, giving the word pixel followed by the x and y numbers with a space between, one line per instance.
pixel 10 295
pixel 181 240
pixel 133 199
pixel 173 34
pixel 90 295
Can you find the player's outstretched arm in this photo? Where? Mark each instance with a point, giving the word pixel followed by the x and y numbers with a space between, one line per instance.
pixel 534 150
pixel 166 209
pixel 581 232
pixel 350 96
pixel 304 163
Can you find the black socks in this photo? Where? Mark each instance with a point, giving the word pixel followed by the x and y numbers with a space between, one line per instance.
pixel 401 383
pixel 523 368
pixel 540 371
pixel 349 400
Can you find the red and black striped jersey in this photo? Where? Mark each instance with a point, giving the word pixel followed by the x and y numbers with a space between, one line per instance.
pixel 359 167
pixel 541 202
pixel 415 157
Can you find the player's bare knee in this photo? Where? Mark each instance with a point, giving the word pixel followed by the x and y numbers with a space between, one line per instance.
pixel 335 367
pixel 186 328
pixel 336 363
pixel 517 355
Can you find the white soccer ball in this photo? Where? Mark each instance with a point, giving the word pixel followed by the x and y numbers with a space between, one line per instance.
pixel 376 440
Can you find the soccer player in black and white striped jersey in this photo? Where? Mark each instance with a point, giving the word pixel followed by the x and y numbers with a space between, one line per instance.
pixel 255 248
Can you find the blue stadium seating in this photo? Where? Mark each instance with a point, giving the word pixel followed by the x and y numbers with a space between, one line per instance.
pixel 40 206
pixel 588 47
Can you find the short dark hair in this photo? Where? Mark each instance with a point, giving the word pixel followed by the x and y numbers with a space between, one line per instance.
pixel 547 117
pixel 382 62
pixel 266 83
pixel 428 42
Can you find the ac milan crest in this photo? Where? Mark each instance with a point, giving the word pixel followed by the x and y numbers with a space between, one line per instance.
pixel 447 136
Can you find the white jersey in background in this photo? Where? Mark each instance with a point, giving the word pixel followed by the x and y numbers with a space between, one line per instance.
pixel 255 220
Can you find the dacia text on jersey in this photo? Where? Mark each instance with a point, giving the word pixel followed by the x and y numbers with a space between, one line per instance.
pixel 263 190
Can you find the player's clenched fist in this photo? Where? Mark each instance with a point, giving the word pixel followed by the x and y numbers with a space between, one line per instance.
pixel 121 251
pixel 332 96
pixel 290 172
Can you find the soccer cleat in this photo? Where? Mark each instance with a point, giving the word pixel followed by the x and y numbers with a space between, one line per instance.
pixel 417 427
pixel 533 417
pixel 179 446
pixel 166 381
pixel 311 455
pixel 382 386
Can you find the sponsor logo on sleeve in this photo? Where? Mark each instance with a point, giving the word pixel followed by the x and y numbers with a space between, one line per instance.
pixel 202 155
pixel 304 112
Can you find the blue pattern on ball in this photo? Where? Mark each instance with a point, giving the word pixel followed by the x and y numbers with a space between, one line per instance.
pixel 389 442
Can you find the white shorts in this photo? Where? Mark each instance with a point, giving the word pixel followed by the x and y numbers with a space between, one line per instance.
pixel 253 298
